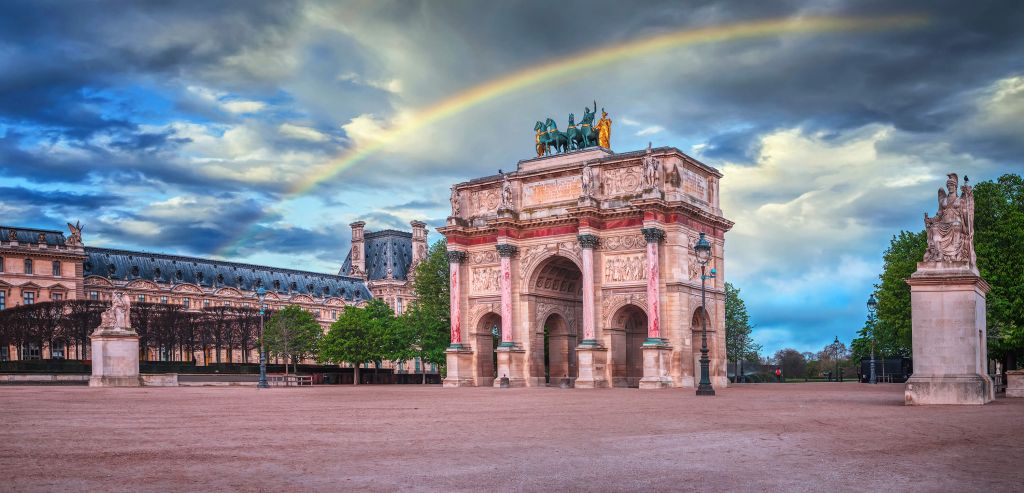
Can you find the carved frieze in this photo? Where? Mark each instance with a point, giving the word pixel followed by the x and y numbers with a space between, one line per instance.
pixel 485 280
pixel 483 202
pixel 622 181
pixel 623 242
pixel 625 268
pixel 486 257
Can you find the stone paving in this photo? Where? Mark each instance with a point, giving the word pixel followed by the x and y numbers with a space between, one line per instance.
pixel 767 437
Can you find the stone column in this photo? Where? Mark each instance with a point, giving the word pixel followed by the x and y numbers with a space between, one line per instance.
pixel 654 236
pixel 455 259
pixel 656 351
pixel 588 242
pixel 511 359
pixel 506 252
pixel 590 354
pixel 458 355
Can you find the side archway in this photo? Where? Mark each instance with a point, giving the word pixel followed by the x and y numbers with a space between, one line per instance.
pixel 627 331
pixel 486 337
pixel 697 321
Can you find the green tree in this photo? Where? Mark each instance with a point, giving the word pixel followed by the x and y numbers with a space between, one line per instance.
pixel 999 244
pixel 791 361
pixel 360 335
pixel 738 343
pixel 891 329
pixel 292 333
pixel 425 327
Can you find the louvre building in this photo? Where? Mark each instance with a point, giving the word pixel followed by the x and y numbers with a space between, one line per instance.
pixel 48 265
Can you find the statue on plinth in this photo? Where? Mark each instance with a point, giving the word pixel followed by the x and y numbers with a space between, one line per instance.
pixel 951 231
pixel 118 317
pixel 506 194
pixel 589 184
pixel 455 202
pixel 651 167
pixel 604 130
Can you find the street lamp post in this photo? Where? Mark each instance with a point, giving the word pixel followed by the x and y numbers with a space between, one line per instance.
pixel 261 294
pixel 872 306
pixel 703 252
pixel 835 356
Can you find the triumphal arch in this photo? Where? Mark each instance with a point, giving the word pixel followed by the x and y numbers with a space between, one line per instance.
pixel 579 267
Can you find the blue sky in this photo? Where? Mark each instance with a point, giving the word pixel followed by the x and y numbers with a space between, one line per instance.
pixel 180 126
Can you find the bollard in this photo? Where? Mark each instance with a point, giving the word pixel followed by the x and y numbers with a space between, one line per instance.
pixel 503 383
pixel 566 383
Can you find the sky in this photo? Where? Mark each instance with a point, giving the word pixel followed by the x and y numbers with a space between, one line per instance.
pixel 257 131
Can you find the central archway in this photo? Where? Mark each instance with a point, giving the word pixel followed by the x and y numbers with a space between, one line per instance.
pixel 555 293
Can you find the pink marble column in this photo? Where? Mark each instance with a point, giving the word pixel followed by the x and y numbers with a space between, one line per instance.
pixel 455 259
pixel 588 242
pixel 506 252
pixel 653 237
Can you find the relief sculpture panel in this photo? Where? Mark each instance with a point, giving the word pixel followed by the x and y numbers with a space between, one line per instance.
pixel 625 268
pixel 485 279
pixel 621 181
pixel 553 190
pixel 484 202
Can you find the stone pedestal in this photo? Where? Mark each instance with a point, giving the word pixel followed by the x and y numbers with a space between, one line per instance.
pixel 949 336
pixel 115 359
pixel 511 364
pixel 460 368
pixel 1015 383
pixel 592 367
pixel 656 364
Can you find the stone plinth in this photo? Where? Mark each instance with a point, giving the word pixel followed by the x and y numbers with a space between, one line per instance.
pixel 592 367
pixel 1015 383
pixel 511 363
pixel 460 368
pixel 949 336
pixel 115 358
pixel 656 362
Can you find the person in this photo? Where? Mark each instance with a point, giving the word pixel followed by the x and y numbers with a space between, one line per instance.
pixel 778 374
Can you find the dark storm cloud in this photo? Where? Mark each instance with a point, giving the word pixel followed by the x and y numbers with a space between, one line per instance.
pixel 23 196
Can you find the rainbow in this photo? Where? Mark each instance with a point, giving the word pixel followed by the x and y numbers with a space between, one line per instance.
pixel 598 57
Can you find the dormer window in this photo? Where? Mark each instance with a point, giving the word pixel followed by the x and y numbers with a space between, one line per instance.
pixel 199 277
pixel 277 285
pixel 294 286
pixel 220 278
pixel 135 271
pixel 177 274
pixel 111 269
pixel 156 274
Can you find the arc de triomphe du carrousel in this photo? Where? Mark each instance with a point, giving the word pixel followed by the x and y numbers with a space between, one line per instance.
pixel 581 265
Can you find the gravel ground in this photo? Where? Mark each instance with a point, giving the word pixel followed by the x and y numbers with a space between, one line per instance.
pixel 793 437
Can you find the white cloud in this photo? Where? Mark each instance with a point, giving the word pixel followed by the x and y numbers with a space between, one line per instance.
pixel 302 133
pixel 241 107
pixel 651 130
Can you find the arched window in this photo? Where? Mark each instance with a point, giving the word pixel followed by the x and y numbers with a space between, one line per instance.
pixel 28 266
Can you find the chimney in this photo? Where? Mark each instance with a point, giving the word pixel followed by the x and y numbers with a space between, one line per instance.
pixel 419 241
pixel 358 250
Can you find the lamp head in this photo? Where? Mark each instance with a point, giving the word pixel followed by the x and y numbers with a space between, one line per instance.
pixel 702 249
pixel 872 302
pixel 713 272
pixel 261 293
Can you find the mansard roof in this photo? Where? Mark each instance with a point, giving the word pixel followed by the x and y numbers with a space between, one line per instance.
pixel 175 269
pixel 384 249
pixel 31 235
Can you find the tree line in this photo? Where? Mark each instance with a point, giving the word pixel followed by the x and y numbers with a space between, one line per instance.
pixel 170 331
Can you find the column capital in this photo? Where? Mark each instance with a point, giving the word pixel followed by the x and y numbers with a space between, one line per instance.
pixel 506 250
pixel 653 235
pixel 456 257
pixel 587 241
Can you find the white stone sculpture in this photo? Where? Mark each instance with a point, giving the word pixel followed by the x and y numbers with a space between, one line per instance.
pixel 506 194
pixel 455 202
pixel 951 231
pixel 651 168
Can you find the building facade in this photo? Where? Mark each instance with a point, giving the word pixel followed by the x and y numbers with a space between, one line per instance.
pixel 387 261
pixel 47 265
pixel 581 266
